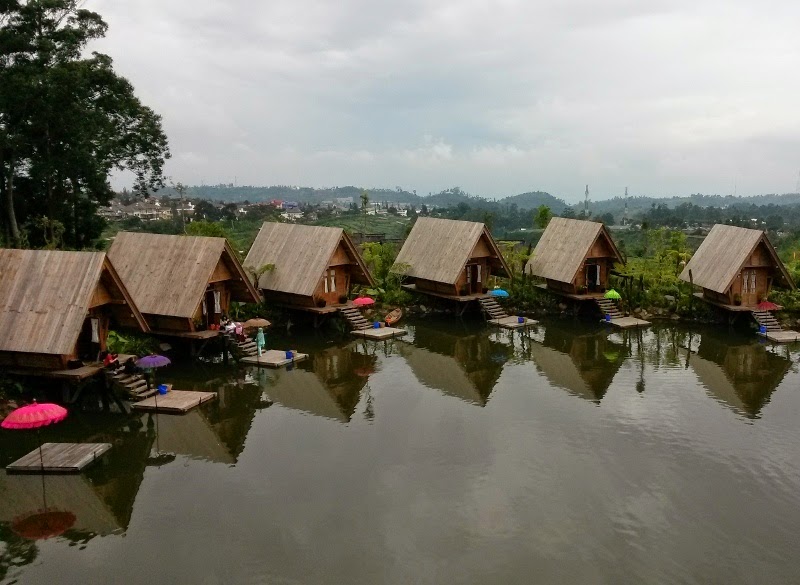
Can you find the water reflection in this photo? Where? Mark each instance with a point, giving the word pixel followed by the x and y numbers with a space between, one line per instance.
pixel 583 364
pixel 329 385
pixel 465 364
pixel 739 372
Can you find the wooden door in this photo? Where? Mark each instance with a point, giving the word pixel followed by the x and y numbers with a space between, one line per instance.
pixel 474 277
pixel 331 289
pixel 750 286
pixel 592 277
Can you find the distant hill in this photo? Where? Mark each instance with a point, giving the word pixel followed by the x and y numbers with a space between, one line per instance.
pixel 534 200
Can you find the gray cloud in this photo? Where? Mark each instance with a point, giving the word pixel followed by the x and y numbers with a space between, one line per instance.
pixel 665 97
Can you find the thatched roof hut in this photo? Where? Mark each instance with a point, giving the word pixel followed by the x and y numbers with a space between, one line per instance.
pixel 180 283
pixel 574 256
pixel 450 258
pixel 736 265
pixel 57 306
pixel 308 266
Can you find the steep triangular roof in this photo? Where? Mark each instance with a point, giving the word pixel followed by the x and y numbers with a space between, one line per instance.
pixel 45 296
pixel 168 275
pixel 437 249
pixel 723 253
pixel 300 254
pixel 564 245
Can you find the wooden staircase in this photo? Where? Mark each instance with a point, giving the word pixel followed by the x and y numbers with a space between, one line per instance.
pixel 766 319
pixel 608 307
pixel 133 386
pixel 492 308
pixel 354 318
pixel 246 348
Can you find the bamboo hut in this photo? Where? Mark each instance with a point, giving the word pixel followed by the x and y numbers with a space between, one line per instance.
pixel 56 308
pixel 450 259
pixel 310 268
pixel 736 268
pixel 575 258
pixel 182 284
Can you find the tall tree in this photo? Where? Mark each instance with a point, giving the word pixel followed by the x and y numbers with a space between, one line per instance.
pixel 67 120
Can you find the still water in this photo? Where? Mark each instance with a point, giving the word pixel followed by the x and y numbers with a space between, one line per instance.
pixel 459 454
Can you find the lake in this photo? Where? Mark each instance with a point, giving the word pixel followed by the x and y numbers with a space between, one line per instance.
pixel 459 454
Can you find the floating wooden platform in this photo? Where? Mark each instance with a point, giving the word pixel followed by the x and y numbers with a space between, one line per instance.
pixel 59 458
pixel 174 402
pixel 786 336
pixel 272 358
pixel 627 322
pixel 513 322
pixel 379 334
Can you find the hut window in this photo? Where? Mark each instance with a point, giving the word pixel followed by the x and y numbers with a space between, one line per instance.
pixel 330 281
pixel 479 272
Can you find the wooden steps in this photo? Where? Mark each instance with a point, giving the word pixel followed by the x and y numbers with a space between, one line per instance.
pixel 609 307
pixel 766 319
pixel 354 318
pixel 492 308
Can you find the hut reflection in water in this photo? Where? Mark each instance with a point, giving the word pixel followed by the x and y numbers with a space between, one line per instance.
pixel 581 364
pixel 740 373
pixel 329 385
pixel 463 365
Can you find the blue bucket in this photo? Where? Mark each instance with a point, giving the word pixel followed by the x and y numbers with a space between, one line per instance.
pixel 162 389
pixel 762 329
pixel 376 325
pixel 289 354
pixel 608 318
pixel 520 319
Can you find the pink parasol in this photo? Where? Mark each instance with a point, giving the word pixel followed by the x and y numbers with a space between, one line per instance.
pixel 767 306
pixel 363 301
pixel 33 416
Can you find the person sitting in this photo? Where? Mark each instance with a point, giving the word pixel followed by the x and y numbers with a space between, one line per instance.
pixel 131 368
pixel 111 360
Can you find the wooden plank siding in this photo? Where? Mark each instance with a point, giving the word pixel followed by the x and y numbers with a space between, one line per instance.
pixel 47 301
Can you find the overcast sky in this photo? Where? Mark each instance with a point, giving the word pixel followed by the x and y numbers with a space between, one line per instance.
pixel 664 96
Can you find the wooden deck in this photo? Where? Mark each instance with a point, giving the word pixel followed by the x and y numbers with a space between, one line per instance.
pixel 733 308
pixel 573 297
pixel 272 358
pixel 379 334
pixel 326 310
pixel 627 322
pixel 785 336
pixel 59 458
pixel 174 402
pixel 513 322
pixel 199 335
pixel 456 298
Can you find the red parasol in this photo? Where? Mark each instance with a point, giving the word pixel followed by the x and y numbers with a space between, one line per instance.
pixel 767 306
pixel 363 301
pixel 43 524
pixel 33 416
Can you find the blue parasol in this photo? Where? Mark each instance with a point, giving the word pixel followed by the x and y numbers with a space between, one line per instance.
pixel 498 292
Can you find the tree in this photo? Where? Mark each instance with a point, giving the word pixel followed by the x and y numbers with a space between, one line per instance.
pixel 542 217
pixel 66 121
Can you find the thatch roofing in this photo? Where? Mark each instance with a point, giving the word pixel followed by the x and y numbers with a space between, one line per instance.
pixel 722 255
pixel 168 275
pixel 564 244
pixel 300 254
pixel 45 296
pixel 437 249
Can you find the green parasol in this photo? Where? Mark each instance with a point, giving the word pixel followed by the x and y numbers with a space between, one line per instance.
pixel 612 294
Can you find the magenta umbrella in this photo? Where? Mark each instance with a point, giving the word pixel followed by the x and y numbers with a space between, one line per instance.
pixel 363 301
pixel 767 306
